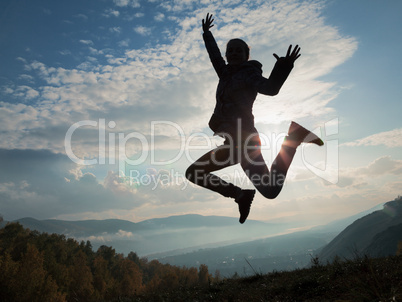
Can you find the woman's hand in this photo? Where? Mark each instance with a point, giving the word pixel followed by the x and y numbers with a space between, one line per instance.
pixel 208 23
pixel 291 56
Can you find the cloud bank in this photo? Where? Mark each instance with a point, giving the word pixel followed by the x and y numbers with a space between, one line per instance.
pixel 166 79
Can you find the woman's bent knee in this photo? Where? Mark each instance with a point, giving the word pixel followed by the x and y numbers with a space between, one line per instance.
pixel 190 173
pixel 193 172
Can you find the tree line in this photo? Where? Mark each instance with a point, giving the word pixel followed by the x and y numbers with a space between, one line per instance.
pixel 38 266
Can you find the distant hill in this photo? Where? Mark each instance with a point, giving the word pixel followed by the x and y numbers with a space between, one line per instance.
pixel 157 235
pixel 95 227
pixel 376 234
pixel 283 252
pixel 78 228
pixel 174 235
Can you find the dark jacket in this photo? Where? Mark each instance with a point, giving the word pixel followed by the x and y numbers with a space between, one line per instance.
pixel 238 87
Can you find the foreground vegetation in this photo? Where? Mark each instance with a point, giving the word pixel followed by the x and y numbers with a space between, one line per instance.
pixel 41 267
pixel 362 279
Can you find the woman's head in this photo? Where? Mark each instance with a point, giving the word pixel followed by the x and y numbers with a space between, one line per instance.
pixel 237 52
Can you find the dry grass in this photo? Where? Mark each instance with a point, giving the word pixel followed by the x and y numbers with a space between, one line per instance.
pixel 363 279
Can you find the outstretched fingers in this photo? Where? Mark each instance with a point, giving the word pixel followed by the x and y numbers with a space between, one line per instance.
pixel 291 55
pixel 209 18
pixel 296 52
pixel 207 23
pixel 289 50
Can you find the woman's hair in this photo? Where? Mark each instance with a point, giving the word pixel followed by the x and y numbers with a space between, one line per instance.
pixel 246 47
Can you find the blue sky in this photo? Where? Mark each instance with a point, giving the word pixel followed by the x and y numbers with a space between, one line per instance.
pixel 130 79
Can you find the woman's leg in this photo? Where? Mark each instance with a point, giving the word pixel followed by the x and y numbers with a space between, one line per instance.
pixel 200 171
pixel 224 156
pixel 270 183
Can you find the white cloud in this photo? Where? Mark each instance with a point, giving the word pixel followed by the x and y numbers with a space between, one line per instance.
pixel 142 30
pixel 181 5
pixel 159 17
pixel 41 189
pixel 115 29
pixel 95 51
pixel 25 92
pixel 7 90
pixel 51 185
pixel 27 77
pixel 107 237
pixel 395 186
pixel 390 139
pixel 172 82
pixel 176 82
pixel 124 234
pixel 86 42
pixel 139 15
pixel 81 16
pixel 116 184
pixel 381 166
pixel 132 3
pixel 111 13
pixel 373 175
pixel 65 52
pixel 124 43
pixel 21 60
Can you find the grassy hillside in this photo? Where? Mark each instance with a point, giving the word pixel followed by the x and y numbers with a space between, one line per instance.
pixel 41 267
pixel 362 279
pixel 369 234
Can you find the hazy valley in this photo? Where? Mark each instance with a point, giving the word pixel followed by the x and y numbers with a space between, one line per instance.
pixel 224 245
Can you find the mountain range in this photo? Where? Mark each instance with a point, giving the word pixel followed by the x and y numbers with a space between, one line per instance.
pixel 375 232
pixel 175 233
pixel 225 245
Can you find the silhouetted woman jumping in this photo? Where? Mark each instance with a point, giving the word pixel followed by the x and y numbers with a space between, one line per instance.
pixel 239 82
